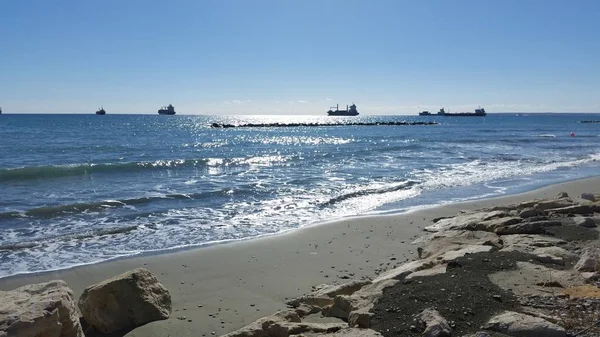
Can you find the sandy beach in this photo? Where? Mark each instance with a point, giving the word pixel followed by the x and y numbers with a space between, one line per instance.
pixel 221 288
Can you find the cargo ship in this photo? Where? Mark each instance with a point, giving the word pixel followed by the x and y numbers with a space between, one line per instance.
pixel 101 111
pixel 480 112
pixel 348 112
pixel 167 110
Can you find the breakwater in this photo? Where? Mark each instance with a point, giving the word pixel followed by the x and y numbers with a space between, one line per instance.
pixel 276 125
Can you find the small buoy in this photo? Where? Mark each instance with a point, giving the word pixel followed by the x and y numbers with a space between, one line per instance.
pixel 572 134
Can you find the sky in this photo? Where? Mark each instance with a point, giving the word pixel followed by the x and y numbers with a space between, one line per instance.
pixel 299 57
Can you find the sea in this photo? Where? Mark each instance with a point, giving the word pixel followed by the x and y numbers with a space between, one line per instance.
pixel 82 189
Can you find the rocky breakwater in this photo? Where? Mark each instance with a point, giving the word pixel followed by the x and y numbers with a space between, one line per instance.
pixel 49 309
pixel 528 269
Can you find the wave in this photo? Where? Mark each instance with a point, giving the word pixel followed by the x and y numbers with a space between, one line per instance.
pixel 58 171
pixel 15 246
pixel 402 186
pixel 53 211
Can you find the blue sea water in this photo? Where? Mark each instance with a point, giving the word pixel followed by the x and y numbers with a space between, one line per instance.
pixel 80 189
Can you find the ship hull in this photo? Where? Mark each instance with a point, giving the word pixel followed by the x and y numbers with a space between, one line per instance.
pixel 335 113
pixel 464 115
pixel 163 112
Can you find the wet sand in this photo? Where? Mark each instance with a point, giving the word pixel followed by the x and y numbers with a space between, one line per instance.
pixel 221 288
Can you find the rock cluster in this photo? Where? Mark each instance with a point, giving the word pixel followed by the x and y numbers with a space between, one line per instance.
pixel 532 249
pixel 49 309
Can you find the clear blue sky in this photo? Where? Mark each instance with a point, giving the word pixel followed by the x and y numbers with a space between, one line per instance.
pixel 283 56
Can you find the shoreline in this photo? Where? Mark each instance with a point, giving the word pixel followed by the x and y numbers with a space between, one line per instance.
pixel 374 213
pixel 239 282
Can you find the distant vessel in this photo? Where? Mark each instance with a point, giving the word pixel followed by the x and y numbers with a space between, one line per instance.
pixel 0 110
pixel 442 112
pixel 167 110
pixel 101 111
pixel 348 112
pixel 480 112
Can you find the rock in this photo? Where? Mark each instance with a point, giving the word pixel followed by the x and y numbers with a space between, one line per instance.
pixel 527 278
pixel 528 213
pixel 324 296
pixel 468 221
pixel 551 204
pixel 520 325
pixel 471 249
pixel 588 196
pixel 478 334
pixel 360 318
pixel 529 227
pixel 437 270
pixel 575 209
pixel 43 309
pixel 433 324
pixel 435 244
pixel 528 242
pixel 402 271
pixel 589 260
pixel 125 301
pixel 360 302
pixel 278 325
pixel 585 222
pixel 556 251
pixel 304 310
pixel 352 332
pixel 561 195
pixel 550 259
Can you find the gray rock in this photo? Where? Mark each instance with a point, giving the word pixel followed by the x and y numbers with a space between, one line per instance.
pixel 575 209
pixel 284 324
pixel 352 332
pixel 527 227
pixel 402 271
pixel 44 309
pixel 550 259
pixel 551 204
pixel 589 260
pixel 324 296
pixel 437 270
pixel 125 301
pixel 588 196
pixel 528 213
pixel 433 324
pixel 467 221
pixel 471 249
pixel 556 251
pixel 561 195
pixel 435 244
pixel 478 334
pixel 520 325
pixel 585 222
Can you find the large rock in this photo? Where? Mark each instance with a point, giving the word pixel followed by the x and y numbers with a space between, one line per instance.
pixel 529 242
pixel 404 270
pixel 575 209
pixel 520 325
pixel 433 324
pixel 283 324
pixel 125 301
pixel 467 221
pixel 589 260
pixel 435 244
pixel 550 204
pixel 44 309
pixel 324 296
pixel 588 196
pixel 470 249
pixel 527 227
pixel 356 308
pixel 585 222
